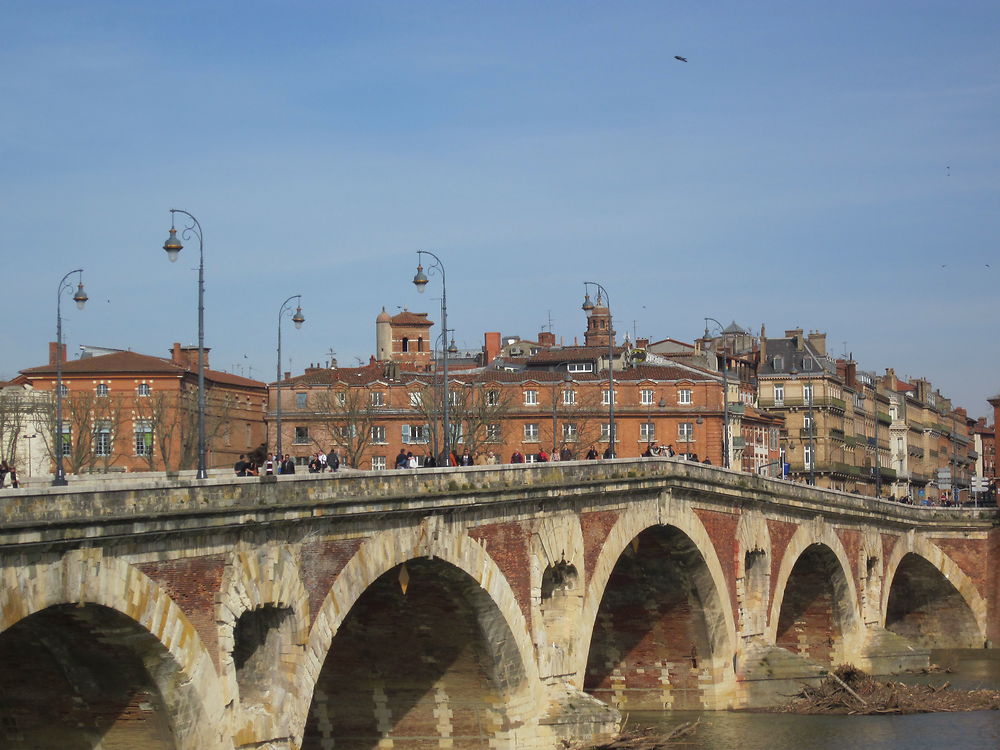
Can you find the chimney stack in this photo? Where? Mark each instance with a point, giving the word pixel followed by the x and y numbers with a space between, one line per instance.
pixel 187 356
pixel 54 352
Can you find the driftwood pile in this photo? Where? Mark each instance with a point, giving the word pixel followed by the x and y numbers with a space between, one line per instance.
pixel 850 691
pixel 645 738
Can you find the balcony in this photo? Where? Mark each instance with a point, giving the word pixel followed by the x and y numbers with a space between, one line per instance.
pixel 884 418
pixel 837 434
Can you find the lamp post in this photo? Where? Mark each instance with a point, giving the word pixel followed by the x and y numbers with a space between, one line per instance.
pixel 725 394
pixel 173 246
pixel 80 298
pixel 420 282
pixel 298 319
pixel 29 438
pixel 588 306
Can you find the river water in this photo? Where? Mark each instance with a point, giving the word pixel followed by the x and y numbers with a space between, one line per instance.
pixel 972 730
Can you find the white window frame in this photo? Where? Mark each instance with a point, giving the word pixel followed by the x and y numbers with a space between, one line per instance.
pixel 492 397
pixel 807 457
pixel 415 434
pixel 570 434
pixel 494 433
pixel 301 400
pixel 376 398
pixel 685 432
pixel 378 463
pixel 606 397
pixel 779 394
pixel 531 397
pixel 378 434
pixel 140 430
pixel 647 432
pixel 531 432
pixel 102 439
pixel 143 389
pixel 300 438
pixel 102 390
pixel 580 367
pixel 416 399
pixel 569 397
pixel 647 396
pixel 807 393
pixel 685 396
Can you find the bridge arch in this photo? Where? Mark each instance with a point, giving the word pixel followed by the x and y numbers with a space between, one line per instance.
pixel 814 610
pixel 929 596
pixel 674 525
pixel 106 592
pixel 262 613
pixel 390 558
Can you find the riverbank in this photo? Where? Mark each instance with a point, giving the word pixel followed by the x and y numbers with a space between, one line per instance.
pixel 850 691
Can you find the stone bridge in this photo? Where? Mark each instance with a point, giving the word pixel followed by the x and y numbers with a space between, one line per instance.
pixel 495 606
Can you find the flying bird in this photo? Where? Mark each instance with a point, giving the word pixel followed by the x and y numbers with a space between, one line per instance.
pixel 682 59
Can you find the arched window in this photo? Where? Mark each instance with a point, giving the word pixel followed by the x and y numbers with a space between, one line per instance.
pixel 406 344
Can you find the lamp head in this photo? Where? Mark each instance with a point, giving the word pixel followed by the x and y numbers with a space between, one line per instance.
pixel 80 298
pixel 298 319
pixel 173 245
pixel 587 304
pixel 420 279
pixel 452 349
pixel 663 403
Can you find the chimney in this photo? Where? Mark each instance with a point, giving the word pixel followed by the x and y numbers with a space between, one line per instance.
pixel 53 349
pixel 547 338
pixel 187 356
pixel 818 341
pixel 491 346
pixel 763 344
pixel 642 343
pixel 288 375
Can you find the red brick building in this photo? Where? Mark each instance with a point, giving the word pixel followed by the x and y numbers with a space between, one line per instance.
pixel 133 412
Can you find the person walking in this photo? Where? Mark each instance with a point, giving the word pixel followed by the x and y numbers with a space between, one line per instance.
pixel 592 454
pixel 240 467
pixel 402 462
pixel 465 459
pixel 333 460
pixel 288 465
pixel 543 457
pixel 13 477
pixel 517 457
pixel 429 461
pixel 565 454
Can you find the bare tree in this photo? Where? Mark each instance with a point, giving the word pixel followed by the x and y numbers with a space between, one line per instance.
pixel 20 411
pixel 347 415
pixel 577 424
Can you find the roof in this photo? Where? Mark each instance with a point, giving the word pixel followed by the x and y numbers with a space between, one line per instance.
pixel 132 362
pixel 407 318
pixel 734 328
pixel 572 354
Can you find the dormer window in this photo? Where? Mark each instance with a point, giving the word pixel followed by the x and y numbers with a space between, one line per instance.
pixel 102 389
pixel 143 389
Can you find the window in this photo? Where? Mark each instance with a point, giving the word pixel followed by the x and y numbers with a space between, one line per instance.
pixel 341 398
pixel 143 389
pixel 301 435
pixel 493 434
pixel 454 398
pixel 606 397
pixel 67 440
pixel 492 398
pixel 808 457
pixel 102 439
pixel 377 398
pixel 646 396
pixel 143 438
pixel 416 398
pixel 580 367
pixel 606 432
pixel 378 463
pixel 807 392
pixel 778 364
pixel 531 432
pixel 807 422
pixel 378 433
pixel 569 397
pixel 647 432
pixel 779 394
pixel 684 396
pixel 63 390
pixel 415 433
pixel 102 389
pixel 531 398
pixel 569 432
pixel 685 432
pixel 301 400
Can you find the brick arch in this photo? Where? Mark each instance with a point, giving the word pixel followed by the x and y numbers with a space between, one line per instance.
pixel 384 551
pixel 189 686
pixel 721 625
pixel 259 576
pixel 818 532
pixel 922 547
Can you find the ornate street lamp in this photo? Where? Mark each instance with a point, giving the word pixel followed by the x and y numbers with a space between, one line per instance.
pixel 420 282
pixel 587 307
pixel 725 394
pixel 80 298
pixel 173 247
pixel 298 319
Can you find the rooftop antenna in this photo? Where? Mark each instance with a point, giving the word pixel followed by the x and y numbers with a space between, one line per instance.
pixel 333 357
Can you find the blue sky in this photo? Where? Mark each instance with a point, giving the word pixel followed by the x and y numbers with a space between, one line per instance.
pixel 831 166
